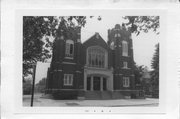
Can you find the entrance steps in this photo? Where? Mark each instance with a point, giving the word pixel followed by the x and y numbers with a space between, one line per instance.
pixel 106 95
pixel 96 95
pixel 93 95
pixel 117 95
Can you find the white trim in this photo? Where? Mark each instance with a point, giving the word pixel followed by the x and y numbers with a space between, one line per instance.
pixel 118 74
pixel 96 68
pixel 68 63
pixel 127 90
pixel 78 71
pixel 68 57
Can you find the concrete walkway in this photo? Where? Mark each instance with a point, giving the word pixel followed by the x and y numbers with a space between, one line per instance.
pixel 48 102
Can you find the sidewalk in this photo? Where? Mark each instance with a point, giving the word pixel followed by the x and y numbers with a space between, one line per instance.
pixel 45 102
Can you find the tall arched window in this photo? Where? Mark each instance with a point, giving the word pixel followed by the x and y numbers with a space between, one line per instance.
pixel 96 57
pixel 69 48
pixel 124 48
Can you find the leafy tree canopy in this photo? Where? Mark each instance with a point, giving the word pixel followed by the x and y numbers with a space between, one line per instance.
pixel 142 23
pixel 138 73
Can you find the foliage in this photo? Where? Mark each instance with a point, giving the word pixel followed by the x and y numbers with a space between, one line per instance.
pixel 27 84
pixel 138 73
pixel 34 29
pixel 42 82
pixel 40 86
pixel 155 67
pixel 142 23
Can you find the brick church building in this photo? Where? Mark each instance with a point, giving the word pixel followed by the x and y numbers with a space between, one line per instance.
pixel 94 69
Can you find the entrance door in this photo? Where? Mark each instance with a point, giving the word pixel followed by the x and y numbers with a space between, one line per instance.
pixel 88 83
pixel 96 83
pixel 104 84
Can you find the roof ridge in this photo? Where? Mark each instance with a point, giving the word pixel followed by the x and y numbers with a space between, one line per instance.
pixel 89 38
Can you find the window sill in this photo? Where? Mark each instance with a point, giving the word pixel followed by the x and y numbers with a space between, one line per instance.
pixel 125 56
pixel 68 58
pixel 68 85
pixel 96 67
pixel 126 86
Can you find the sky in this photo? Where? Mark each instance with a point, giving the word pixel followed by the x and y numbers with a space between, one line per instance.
pixel 143 44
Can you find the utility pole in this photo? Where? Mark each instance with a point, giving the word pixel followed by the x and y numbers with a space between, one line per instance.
pixel 34 74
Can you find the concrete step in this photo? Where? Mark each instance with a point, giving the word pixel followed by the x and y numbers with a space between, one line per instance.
pixel 117 95
pixel 106 95
pixel 93 95
pixel 98 95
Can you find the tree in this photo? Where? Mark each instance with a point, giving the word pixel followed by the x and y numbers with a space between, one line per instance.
pixel 155 67
pixel 42 82
pixel 27 85
pixel 136 24
pixel 34 29
pixel 138 73
pixel 40 86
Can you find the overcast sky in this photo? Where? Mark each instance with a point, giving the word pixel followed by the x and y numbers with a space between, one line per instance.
pixel 143 45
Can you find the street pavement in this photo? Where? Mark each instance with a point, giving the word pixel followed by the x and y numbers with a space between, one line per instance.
pixel 41 101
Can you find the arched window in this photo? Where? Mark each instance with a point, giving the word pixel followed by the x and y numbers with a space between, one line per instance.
pixel 96 57
pixel 69 48
pixel 124 48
